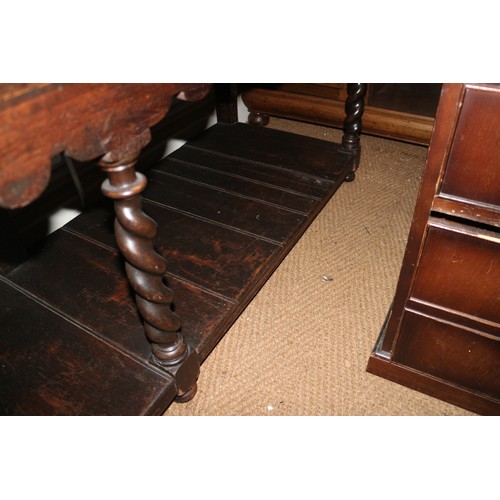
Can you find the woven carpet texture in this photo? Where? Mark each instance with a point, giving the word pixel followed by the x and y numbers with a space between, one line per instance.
pixel 302 345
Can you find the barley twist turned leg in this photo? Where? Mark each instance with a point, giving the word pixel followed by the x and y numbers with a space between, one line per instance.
pixel 135 234
pixel 354 108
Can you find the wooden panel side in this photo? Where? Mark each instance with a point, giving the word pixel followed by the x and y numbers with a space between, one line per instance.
pixel 473 168
pixel 432 386
pixel 460 270
pixel 449 352
pixel 446 119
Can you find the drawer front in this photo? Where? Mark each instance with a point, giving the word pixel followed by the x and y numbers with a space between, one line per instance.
pixel 473 168
pixel 459 269
pixel 450 353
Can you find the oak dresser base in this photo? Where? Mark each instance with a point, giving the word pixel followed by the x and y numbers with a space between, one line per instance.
pixel 229 206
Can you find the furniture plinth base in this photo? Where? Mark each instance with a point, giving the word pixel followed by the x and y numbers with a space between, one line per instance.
pixel 380 364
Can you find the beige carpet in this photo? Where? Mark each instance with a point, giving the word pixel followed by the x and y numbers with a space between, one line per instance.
pixel 302 345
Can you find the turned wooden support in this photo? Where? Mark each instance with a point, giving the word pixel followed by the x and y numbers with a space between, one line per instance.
pixel 112 122
pixel 256 118
pixel 135 234
pixel 354 108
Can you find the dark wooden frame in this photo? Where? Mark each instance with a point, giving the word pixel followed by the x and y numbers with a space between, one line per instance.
pixel 323 104
pixel 438 219
pixel 112 122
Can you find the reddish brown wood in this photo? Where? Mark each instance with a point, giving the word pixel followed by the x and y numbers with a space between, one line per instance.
pixel 205 198
pixel 245 194
pixel 443 331
pixel 87 121
pixel 135 234
pixel 433 386
pixel 28 225
pixel 449 352
pixel 224 253
pixel 102 302
pixel 482 214
pixel 396 111
pixel 473 170
pixel 49 365
pixel 38 121
pixel 446 119
pixel 452 259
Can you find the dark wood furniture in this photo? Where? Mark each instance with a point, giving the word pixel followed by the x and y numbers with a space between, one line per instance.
pixel 442 335
pixel 77 337
pixel 394 110
pixel 76 184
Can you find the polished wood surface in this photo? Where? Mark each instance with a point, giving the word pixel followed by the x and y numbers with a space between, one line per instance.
pixel 354 108
pixel 102 119
pixel 473 172
pixel 77 185
pixel 110 121
pixel 442 335
pixel 395 111
pixel 216 218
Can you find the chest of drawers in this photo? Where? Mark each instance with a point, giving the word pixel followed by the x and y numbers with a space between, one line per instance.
pixel 442 335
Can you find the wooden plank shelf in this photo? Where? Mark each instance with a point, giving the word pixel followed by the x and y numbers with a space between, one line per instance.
pixel 229 205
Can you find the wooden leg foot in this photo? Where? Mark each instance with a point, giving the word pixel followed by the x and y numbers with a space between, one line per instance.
pixel 354 108
pixel 350 177
pixel 187 396
pixel 258 119
pixel 185 374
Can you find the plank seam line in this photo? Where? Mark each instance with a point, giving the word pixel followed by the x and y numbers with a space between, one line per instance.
pixel 227 191
pixel 85 237
pixel 117 347
pixel 215 223
pixel 168 273
pixel 202 288
pixel 260 163
pixel 238 176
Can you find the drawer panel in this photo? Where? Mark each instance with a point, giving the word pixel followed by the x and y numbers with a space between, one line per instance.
pixel 450 353
pixel 460 270
pixel 473 167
